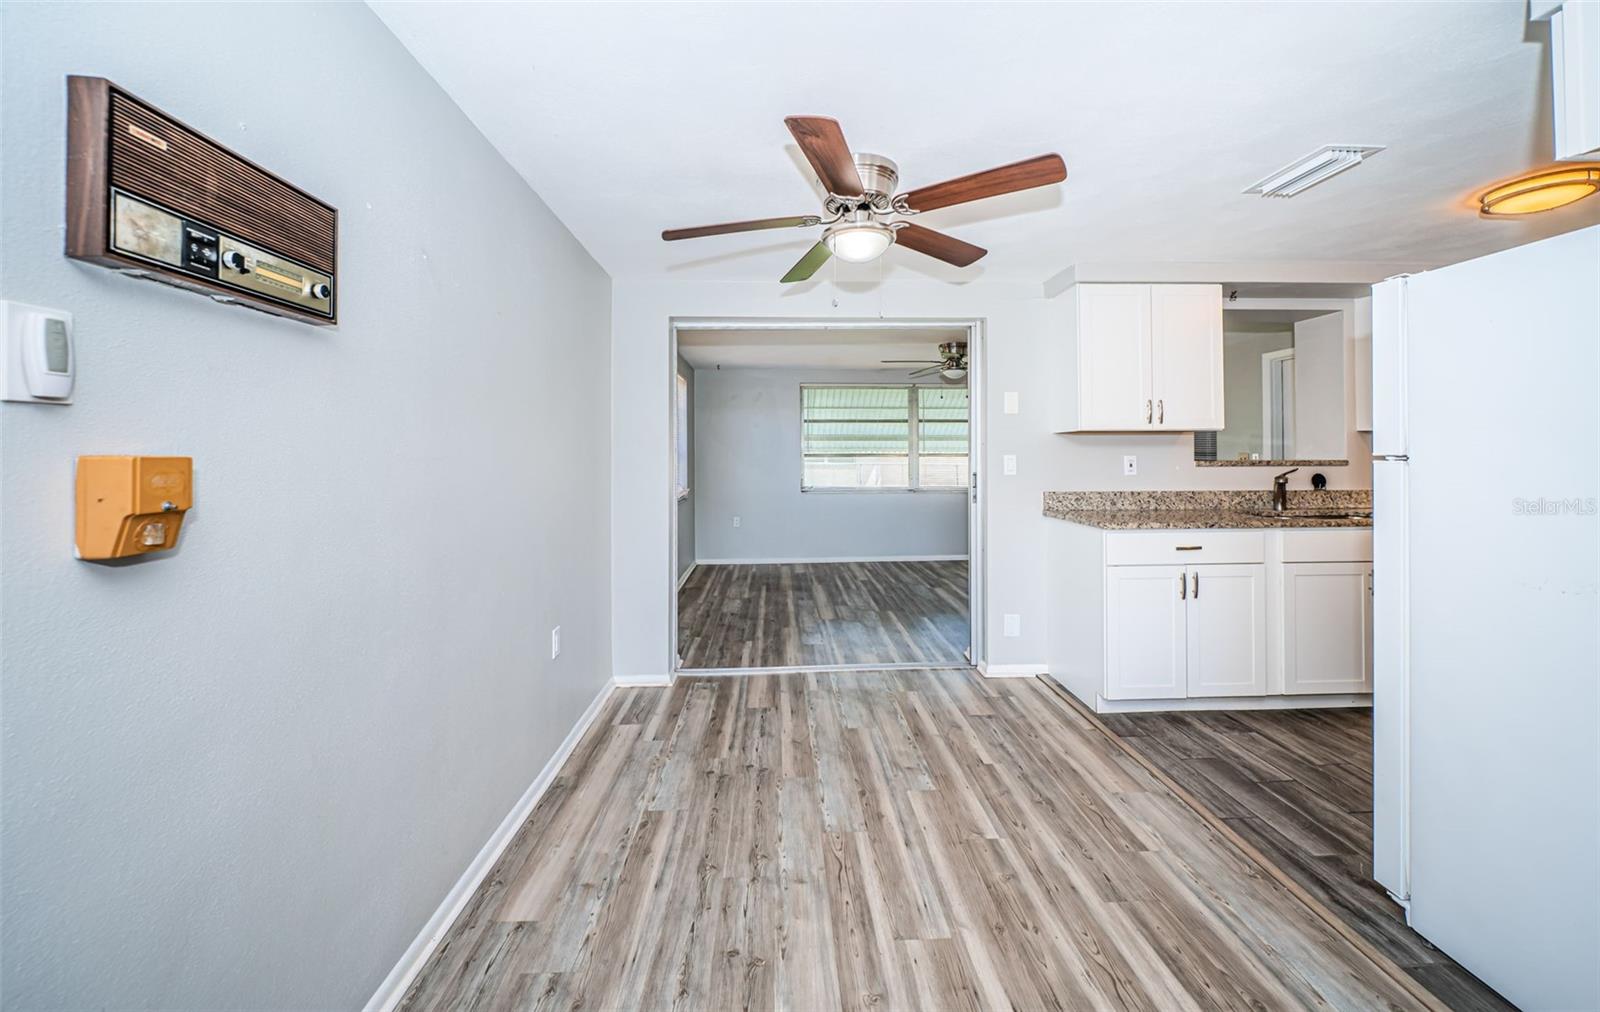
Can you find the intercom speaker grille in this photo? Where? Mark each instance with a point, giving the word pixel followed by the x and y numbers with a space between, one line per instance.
pixel 160 160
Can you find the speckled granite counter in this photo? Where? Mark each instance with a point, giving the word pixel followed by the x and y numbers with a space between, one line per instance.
pixel 1145 511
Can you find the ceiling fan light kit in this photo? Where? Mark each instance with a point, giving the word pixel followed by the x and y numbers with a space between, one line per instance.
pixel 861 199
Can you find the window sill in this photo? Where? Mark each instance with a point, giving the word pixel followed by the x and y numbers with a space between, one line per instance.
pixel 880 491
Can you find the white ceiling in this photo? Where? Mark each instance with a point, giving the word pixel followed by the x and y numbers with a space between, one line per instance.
pixel 628 119
pixel 830 348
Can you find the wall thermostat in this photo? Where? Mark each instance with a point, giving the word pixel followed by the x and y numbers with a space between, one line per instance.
pixel 39 363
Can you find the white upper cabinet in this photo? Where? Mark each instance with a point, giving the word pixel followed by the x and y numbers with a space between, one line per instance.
pixel 1141 358
pixel 1186 356
pixel 1114 335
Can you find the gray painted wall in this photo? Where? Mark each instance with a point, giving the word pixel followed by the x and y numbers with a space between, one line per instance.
pixel 245 774
pixel 747 431
pixel 686 546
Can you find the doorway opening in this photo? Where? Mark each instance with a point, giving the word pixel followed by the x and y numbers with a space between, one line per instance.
pixel 825 502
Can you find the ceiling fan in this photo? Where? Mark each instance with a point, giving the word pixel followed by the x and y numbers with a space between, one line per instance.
pixel 861 198
pixel 951 363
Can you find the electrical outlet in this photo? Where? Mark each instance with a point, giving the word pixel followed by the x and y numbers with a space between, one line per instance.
pixel 555 643
pixel 735 521
pixel 1011 402
pixel 1008 463
pixel 1130 465
pixel 1013 625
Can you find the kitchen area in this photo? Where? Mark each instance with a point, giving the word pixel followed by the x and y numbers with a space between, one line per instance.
pixel 1335 671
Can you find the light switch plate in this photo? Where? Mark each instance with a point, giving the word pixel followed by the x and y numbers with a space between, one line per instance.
pixel 1011 402
pixel 1008 463
pixel 1013 625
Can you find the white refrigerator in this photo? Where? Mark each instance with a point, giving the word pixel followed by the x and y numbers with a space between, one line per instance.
pixel 1486 701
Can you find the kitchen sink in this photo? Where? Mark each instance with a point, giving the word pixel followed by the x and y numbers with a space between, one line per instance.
pixel 1315 514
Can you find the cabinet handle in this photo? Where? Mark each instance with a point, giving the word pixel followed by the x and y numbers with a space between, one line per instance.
pixel 1147 413
pixel 1183 588
pixel 1189 548
pixel 1161 412
pixel 1197 586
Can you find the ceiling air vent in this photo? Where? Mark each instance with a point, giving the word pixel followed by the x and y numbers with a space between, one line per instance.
pixel 1304 173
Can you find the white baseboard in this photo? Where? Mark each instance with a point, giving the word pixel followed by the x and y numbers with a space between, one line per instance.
pixel 1104 705
pixel 1012 670
pixel 399 980
pixel 685 577
pixel 634 681
pixel 832 558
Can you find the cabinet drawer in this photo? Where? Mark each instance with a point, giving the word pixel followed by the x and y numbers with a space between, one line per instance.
pixel 1184 548
pixel 1327 546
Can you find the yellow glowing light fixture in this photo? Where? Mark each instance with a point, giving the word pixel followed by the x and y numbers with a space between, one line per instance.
pixel 1541 191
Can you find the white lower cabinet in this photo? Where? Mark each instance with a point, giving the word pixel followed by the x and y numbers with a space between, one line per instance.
pixel 1327 627
pixel 1146 632
pixel 1183 631
pixel 1227 630
pixel 1241 617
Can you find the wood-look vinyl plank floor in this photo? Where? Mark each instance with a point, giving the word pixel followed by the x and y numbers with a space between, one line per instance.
pixel 1297 784
pixel 906 839
pixel 823 613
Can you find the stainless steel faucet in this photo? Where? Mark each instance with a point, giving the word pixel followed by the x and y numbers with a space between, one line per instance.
pixel 1280 490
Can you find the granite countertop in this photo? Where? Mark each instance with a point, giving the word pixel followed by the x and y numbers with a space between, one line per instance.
pixel 1144 511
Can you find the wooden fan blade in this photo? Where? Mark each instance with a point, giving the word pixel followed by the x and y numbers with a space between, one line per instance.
pixel 938 245
pixel 911 361
pixel 925 372
pixel 815 257
pixel 798 221
pixel 823 144
pixel 1041 171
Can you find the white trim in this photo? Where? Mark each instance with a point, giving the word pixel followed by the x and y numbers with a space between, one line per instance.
pixel 832 558
pixel 1104 705
pixel 395 985
pixel 977 435
pixel 685 577
pixel 801 669
pixel 1012 670
pixel 635 681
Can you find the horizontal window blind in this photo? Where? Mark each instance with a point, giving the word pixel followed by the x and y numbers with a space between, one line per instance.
pixel 942 429
pixel 884 436
pixel 855 437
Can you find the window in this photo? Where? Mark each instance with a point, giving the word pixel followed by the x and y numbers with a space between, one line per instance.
pixel 878 437
pixel 683 437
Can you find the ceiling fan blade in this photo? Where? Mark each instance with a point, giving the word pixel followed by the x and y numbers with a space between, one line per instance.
pixel 799 221
pixel 911 361
pixel 815 257
pixel 938 245
pixel 1025 175
pixel 928 371
pixel 823 144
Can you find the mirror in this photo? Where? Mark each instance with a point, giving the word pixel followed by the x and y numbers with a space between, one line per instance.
pixel 1283 390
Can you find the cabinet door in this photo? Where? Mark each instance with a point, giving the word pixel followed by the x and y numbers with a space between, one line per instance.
pixel 1227 630
pixel 1145 632
pixel 1186 356
pixel 1327 627
pixel 1113 356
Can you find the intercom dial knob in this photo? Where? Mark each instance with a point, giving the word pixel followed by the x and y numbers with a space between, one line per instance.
pixel 320 290
pixel 235 260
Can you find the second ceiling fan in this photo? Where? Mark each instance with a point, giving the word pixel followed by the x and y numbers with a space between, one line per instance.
pixel 861 199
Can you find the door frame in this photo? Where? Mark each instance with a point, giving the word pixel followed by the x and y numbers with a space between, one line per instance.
pixel 1271 360
pixel 977 475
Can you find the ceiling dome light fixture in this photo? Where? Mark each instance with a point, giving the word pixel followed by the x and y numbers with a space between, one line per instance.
pixel 953 375
pixel 1541 191
pixel 859 240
